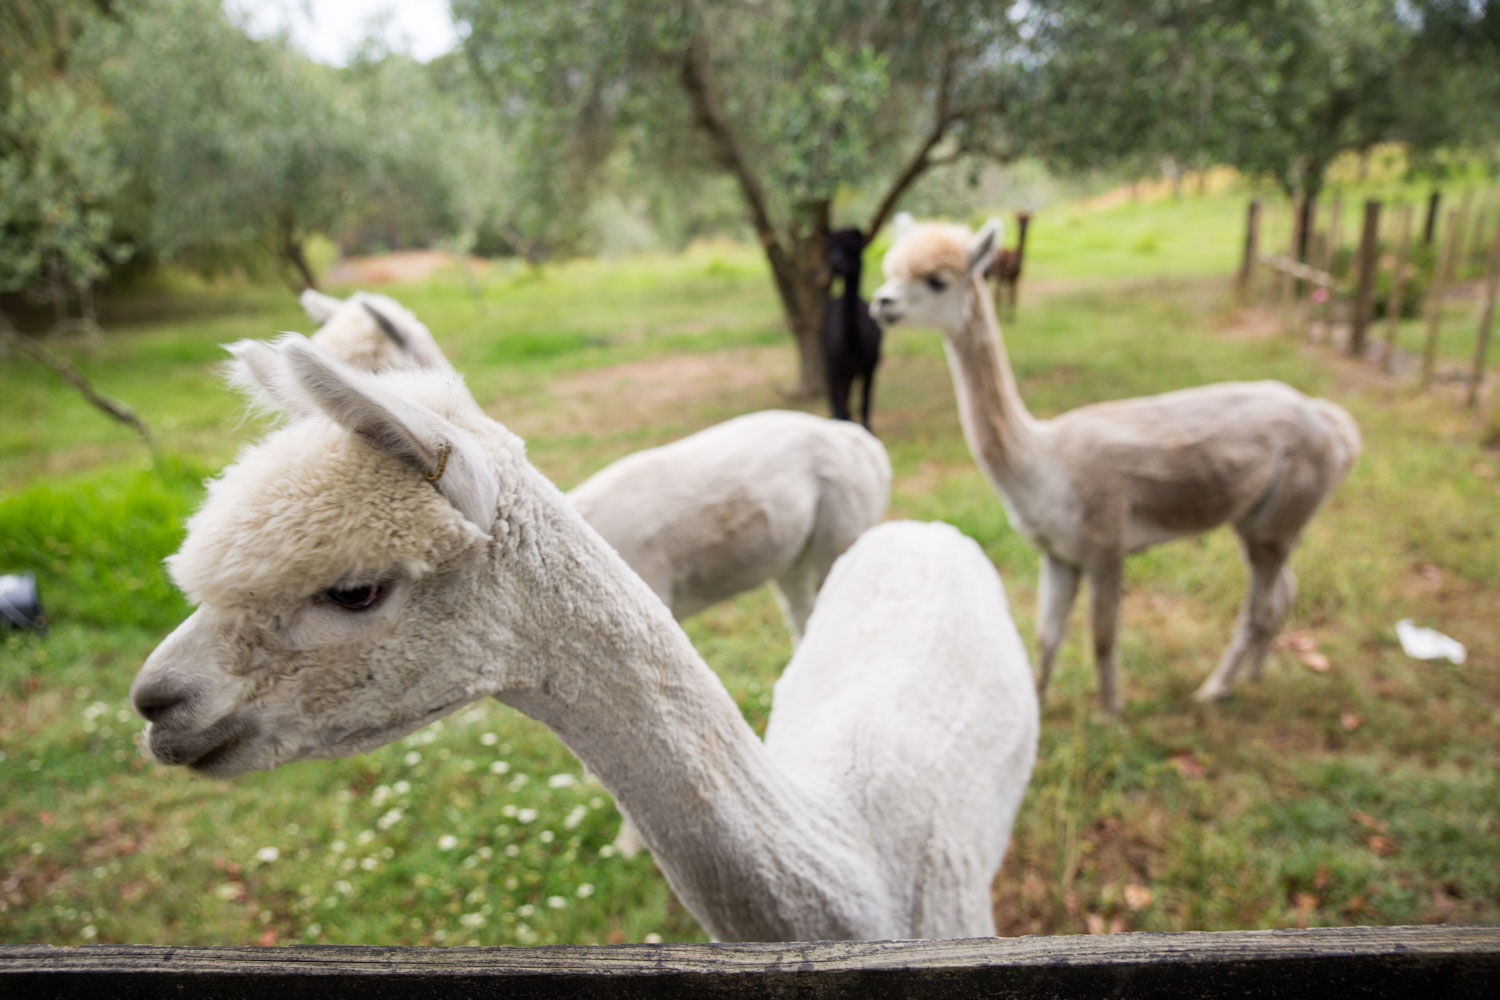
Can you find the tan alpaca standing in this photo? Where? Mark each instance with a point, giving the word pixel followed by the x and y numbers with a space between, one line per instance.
pixel 1098 483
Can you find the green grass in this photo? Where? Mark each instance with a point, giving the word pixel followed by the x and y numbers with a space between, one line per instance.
pixel 1363 794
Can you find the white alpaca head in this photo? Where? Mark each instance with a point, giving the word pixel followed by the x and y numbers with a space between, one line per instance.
pixel 930 273
pixel 373 332
pixel 335 567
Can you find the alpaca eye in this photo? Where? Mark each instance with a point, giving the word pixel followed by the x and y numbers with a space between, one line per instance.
pixel 355 598
pixel 936 283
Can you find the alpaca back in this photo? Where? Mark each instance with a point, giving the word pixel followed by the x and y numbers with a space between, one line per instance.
pixel 728 508
pixel 911 698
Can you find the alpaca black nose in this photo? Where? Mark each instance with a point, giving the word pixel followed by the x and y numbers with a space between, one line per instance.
pixel 155 701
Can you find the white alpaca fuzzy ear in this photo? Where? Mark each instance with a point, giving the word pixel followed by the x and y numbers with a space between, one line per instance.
pixel 447 457
pixel 902 224
pixel 319 307
pixel 983 245
pixel 260 372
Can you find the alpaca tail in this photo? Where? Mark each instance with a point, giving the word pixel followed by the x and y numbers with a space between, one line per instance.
pixel 1347 443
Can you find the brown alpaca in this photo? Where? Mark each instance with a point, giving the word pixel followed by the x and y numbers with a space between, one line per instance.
pixel 1005 270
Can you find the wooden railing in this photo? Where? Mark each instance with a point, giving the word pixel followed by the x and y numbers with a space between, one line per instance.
pixel 1422 963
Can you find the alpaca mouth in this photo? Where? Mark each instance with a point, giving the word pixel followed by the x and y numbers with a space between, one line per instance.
pixel 216 751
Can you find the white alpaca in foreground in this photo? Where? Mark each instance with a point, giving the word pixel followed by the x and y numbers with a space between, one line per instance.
pixel 373 332
pixel 772 496
pixel 390 556
pixel 1097 483
pixel 775 495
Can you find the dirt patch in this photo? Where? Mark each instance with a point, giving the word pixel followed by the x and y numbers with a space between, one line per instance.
pixel 636 394
pixel 409 265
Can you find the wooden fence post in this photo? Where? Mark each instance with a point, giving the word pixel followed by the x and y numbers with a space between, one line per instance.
pixel 1286 288
pixel 1252 241
pixel 1435 297
pixel 1429 228
pixel 1369 247
pixel 1330 263
pixel 1398 277
pixel 1491 289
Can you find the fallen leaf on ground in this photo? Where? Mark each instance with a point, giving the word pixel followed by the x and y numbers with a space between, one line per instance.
pixel 1350 722
pixel 1304 904
pixel 1137 897
pixel 1367 821
pixel 267 938
pixel 1314 661
pixel 1382 846
pixel 1187 765
pixel 1320 877
pixel 1095 923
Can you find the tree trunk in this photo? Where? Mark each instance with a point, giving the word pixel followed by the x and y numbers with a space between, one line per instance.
pixel 802 283
pixel 292 253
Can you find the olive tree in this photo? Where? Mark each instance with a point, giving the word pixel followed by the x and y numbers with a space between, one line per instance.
pixel 798 103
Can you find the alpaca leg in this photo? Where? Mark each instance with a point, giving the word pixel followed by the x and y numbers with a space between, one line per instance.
pixel 628 842
pixel 1055 595
pixel 1282 597
pixel 864 400
pixel 1260 618
pixel 1104 608
pixel 796 592
pixel 839 389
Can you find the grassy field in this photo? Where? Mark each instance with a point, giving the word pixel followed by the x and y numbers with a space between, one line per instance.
pixel 1365 792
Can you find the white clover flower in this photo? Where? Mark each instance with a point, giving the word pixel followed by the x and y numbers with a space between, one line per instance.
pixel 401 787
pixel 412 758
pixel 652 938
pixel 525 815
pixel 378 797
pixel 564 780
pixel 447 842
pixel 368 864
pixel 266 855
pixel 472 920
pixel 607 851
pixel 488 739
pixel 585 890
pixel 486 852
pixel 499 767
pixel 512 851
pixel 343 888
pixel 337 847
pixel 365 836
pixel 574 817
pixel 556 902
pixel 525 911
pixel 390 819
pixel 546 836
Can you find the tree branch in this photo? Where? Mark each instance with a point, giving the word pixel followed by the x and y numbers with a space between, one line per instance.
pixel 708 113
pixel 921 161
pixel 116 409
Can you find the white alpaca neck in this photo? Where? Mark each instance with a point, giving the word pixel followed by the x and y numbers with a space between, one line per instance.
pixel 1002 434
pixel 751 854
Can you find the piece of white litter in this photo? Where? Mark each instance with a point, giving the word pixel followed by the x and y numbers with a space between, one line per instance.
pixel 1422 643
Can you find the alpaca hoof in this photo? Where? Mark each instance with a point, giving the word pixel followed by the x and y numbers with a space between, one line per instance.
pixel 1211 692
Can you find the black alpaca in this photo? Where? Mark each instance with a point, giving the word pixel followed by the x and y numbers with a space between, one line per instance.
pixel 851 338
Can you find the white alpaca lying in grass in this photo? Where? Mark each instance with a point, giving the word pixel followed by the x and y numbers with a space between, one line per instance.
pixel 373 332
pixel 391 556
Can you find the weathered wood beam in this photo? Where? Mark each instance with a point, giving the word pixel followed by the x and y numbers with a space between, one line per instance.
pixel 1441 961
